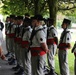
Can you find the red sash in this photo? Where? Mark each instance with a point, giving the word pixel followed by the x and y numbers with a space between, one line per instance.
pixel 51 41
pixel 35 51
pixel 24 44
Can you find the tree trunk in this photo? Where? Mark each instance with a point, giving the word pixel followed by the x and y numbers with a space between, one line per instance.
pixel 36 10
pixel 52 4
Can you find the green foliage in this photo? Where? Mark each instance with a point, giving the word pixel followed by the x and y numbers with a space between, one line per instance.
pixel 48 8
pixel 20 7
pixel 67 8
pixel 16 7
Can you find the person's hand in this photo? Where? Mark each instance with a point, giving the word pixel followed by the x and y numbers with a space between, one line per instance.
pixel 47 51
pixel 3 57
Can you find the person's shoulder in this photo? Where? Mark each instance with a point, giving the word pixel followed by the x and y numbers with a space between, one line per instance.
pixel 1 22
pixel 41 32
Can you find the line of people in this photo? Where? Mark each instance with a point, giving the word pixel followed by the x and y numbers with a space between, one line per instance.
pixel 32 42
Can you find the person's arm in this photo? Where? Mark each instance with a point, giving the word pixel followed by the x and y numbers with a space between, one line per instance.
pixel 41 37
pixel 44 47
pixel 1 54
pixel 56 40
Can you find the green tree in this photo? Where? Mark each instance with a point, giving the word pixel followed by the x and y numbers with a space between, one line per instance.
pixel 52 4
pixel 23 6
pixel 44 7
pixel 13 7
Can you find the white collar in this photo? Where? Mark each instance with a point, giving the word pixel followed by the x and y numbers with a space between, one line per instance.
pixel 38 27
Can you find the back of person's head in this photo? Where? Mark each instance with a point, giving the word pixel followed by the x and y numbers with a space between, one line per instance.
pixel 51 21
pixel 27 15
pixel 39 17
pixel 27 22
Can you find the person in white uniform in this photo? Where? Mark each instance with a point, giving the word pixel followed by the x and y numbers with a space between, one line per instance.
pixel 52 41
pixel 2 56
pixel 64 45
pixel 38 47
pixel 26 56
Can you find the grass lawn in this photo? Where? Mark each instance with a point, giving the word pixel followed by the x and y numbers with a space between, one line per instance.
pixel 70 61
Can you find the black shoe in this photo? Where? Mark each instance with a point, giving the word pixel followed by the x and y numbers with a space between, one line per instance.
pixel 10 59
pixel 52 72
pixel 16 68
pixel 46 74
pixel 13 62
pixel 19 72
pixel 46 70
pixel 8 54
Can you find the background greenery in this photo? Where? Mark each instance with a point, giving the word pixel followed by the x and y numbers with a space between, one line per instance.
pixel 48 8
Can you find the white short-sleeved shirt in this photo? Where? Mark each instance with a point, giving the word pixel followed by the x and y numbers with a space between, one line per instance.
pixel 52 32
pixel 40 37
pixel 1 37
pixel 67 37
pixel 27 34
pixel 13 28
pixel 45 29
